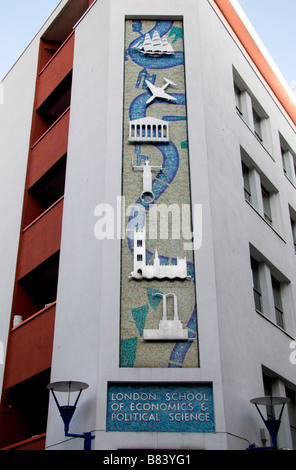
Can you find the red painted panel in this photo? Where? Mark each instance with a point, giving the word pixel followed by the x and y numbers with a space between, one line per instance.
pixel 55 71
pixel 35 443
pixel 46 52
pixel 30 348
pixel 41 240
pixel 48 149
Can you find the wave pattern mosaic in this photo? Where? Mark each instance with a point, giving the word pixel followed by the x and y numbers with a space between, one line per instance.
pixel 158 295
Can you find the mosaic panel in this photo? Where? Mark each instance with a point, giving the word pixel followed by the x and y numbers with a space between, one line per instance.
pixel 155 174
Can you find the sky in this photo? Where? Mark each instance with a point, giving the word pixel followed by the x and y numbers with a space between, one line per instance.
pixel 274 23
pixel 20 21
pixel 273 20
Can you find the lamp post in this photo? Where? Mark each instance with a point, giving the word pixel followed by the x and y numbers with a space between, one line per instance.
pixel 273 423
pixel 67 411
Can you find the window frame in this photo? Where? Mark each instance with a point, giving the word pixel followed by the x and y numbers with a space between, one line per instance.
pixel 246 182
pixel 278 303
pixel 257 293
pixel 267 213
pixel 257 122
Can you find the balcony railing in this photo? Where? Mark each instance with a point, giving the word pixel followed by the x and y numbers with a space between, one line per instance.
pixel 28 358
pixel 49 148
pixel 35 443
pixel 55 70
pixel 41 239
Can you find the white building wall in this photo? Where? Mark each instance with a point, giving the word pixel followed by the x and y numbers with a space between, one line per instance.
pixel 15 113
pixel 80 298
pixel 89 283
pixel 248 341
pixel 17 92
pixel 234 341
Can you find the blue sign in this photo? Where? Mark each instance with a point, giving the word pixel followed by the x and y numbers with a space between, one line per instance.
pixel 160 408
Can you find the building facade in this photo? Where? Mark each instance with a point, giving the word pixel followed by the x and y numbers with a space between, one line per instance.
pixel 147 138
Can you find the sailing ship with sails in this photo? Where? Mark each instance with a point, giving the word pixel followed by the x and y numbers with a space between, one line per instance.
pixel 155 45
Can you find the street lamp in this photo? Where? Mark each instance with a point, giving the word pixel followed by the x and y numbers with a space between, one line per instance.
pixel 272 423
pixel 67 411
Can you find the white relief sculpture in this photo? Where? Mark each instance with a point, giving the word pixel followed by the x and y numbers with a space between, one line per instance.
pixel 147 195
pixel 168 329
pixel 155 45
pixel 149 129
pixel 156 270
pixel 159 92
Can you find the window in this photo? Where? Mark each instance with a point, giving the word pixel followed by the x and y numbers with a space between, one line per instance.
pixel 278 306
pixel 246 182
pixel 293 226
pixel 260 192
pixel 292 213
pixel 251 111
pixel 292 414
pixel 284 161
pixel 270 290
pixel 241 97
pixel 257 125
pixel 288 161
pixel 139 258
pixel 238 104
pixel 268 384
pixel 139 243
pixel 256 284
pixel 266 205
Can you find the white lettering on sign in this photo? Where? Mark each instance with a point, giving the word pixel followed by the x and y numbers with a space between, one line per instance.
pixel 136 407
pixel 189 417
pixel 186 396
pixel 133 396
pixel 135 417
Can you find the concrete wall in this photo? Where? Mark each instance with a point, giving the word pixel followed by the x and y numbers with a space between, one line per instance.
pixel 234 341
pixel 15 118
pixel 89 283
pixel 248 341
pixel 16 108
